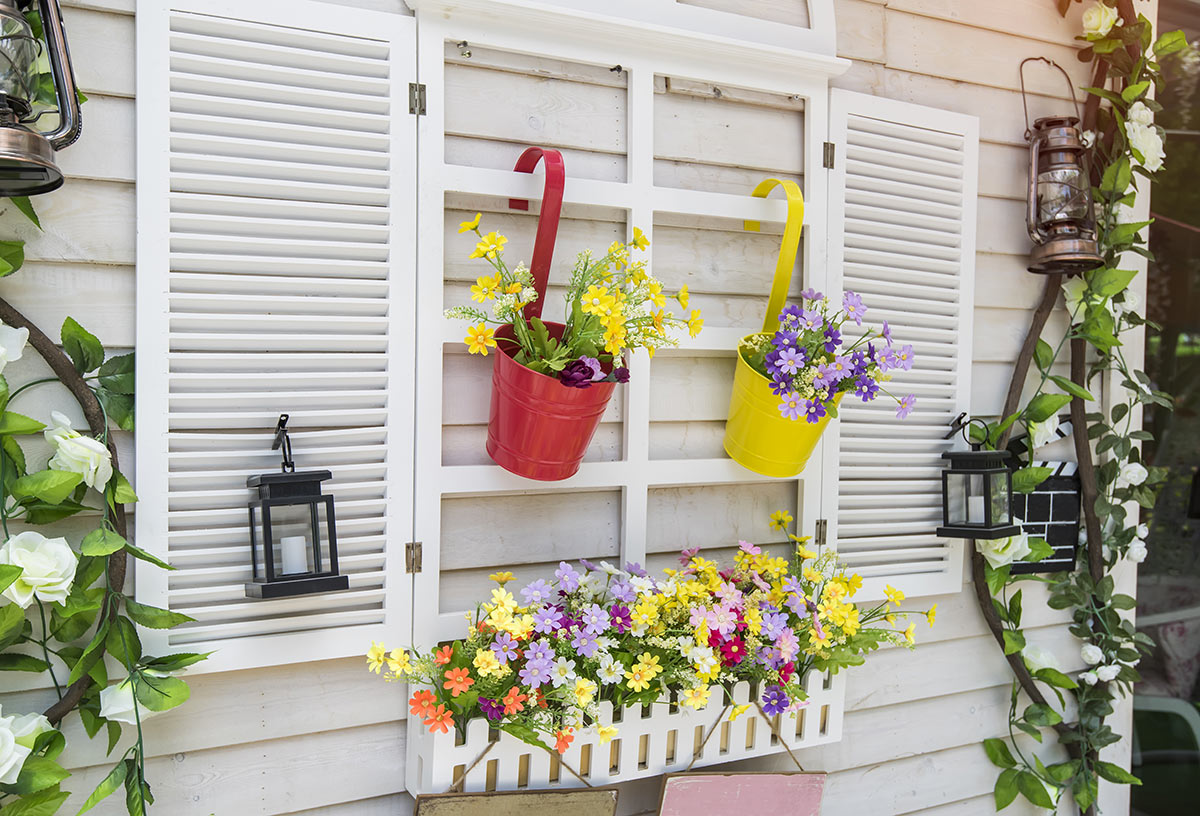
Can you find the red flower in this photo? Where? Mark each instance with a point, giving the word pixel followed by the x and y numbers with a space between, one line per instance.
pixel 541 698
pixel 439 719
pixel 422 702
pixel 564 741
pixel 732 651
pixel 785 673
pixel 442 656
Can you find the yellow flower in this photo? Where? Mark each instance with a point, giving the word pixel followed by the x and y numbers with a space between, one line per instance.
pixel 811 575
pixel 596 300
pixel 638 679
pixel 614 338
pixel 500 617
pixel 805 553
pixel 891 619
pixel 818 642
pixel 484 289
pixel 469 225
pixel 489 245
pixel 683 296
pixel 479 339
pixel 585 691
pixel 695 323
pixel 738 710
pixel 486 662
pixel 399 661
pixel 892 594
pixel 853 584
pixel 656 295
pixel 931 614
pixel 619 253
pixel 639 239
pixel 649 663
pixel 503 599
pixel 376 656
pixel 910 634
pixel 501 578
pixel 606 733
pixel 520 626
pixel 781 520
pixel 696 697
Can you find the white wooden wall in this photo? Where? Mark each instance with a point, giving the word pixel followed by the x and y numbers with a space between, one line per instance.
pixel 325 738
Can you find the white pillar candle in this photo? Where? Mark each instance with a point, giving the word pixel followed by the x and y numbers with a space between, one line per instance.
pixel 974 510
pixel 295 554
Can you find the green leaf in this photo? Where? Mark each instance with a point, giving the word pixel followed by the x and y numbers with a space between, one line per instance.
pixel 1072 388
pixel 123 642
pixel 1043 715
pixel 118 407
pixel 137 793
pixel 1115 773
pixel 1006 788
pixel 1013 641
pixel 525 734
pixel 139 553
pixel 1117 176
pixel 1039 549
pixel 12 256
pixel 1029 729
pixel 1044 406
pixel 124 491
pixel 117 374
pixel 1135 90
pixel 12 624
pixel 85 351
pixel 107 787
pixel 996 577
pixel 175 662
pixel 100 542
pixel 1168 43
pixel 1108 282
pixel 92 653
pixel 8 574
pixel 1084 789
pixel 1033 790
pixel 44 803
pixel 17 424
pixel 1054 677
pixel 37 774
pixel 160 693
pixel 113 730
pixel 152 617
pixel 45 513
pixel 998 753
pixel 1014 608
pixel 50 486
pixel 23 204
pixel 20 662
pixel 1027 479
pixel 1043 355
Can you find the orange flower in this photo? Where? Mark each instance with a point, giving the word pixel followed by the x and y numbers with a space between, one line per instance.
pixel 565 738
pixel 422 703
pixel 541 699
pixel 513 700
pixel 442 656
pixel 458 681
pixel 439 719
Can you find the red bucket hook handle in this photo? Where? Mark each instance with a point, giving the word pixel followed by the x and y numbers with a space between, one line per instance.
pixel 547 231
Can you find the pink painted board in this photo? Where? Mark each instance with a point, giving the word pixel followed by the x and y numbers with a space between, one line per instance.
pixel 779 794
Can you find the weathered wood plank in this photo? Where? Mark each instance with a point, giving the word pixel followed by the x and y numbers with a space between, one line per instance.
pixel 1039 21
pixel 84 222
pixel 860 30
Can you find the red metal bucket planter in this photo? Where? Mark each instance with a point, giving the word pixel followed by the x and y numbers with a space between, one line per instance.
pixel 539 428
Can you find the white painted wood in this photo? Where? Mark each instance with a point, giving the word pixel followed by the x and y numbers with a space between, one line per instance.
pixel 285 297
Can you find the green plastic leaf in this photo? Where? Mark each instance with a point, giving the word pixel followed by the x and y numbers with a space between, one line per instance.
pixel 118 407
pixel 1115 773
pixel 175 662
pixel 142 555
pixel 1014 608
pixel 525 734
pixel 1108 282
pixel 92 653
pixel 117 374
pixel 161 693
pixel 101 541
pixel 50 486
pixel 8 574
pixel 1054 677
pixel 23 204
pixel 1006 788
pixel 17 424
pixel 1043 715
pixel 1013 641
pixel 1169 43
pixel 1072 388
pixel 20 662
pixel 124 491
pixel 152 617
pixel 1043 355
pixel 1039 549
pixel 37 774
pixel 12 624
pixel 998 753
pixel 1033 790
pixel 137 793
pixel 123 642
pixel 1027 479
pixel 1117 177
pixel 1084 790
pixel 40 512
pixel 1135 90
pixel 43 803
pixel 12 256
pixel 996 578
pixel 1044 406
pixel 84 349
pixel 108 786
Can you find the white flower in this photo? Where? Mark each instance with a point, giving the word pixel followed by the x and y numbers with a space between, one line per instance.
pixel 1044 432
pixel 609 568
pixel 1001 551
pixel 1089 678
pixel 1137 551
pixel 47 568
pixel 77 453
pixel 1088 137
pixel 1107 673
pixel 12 344
pixel 116 702
pixel 1037 658
pixel 1142 531
pixel 611 672
pixel 1138 112
pixel 28 727
pixel 1091 654
pixel 12 753
pixel 1131 473
pixel 1099 20
pixel 1073 294
pixel 563 671
pixel 1147 141
pixel 642 584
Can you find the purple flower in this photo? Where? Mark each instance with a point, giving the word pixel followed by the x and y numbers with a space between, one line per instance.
pixel 594 365
pixel 576 374
pixel 859 363
pixel 634 568
pixel 790 361
pixel 773 625
pixel 811 319
pixel 852 305
pixel 833 339
pixel 781 386
pixel 568 578
pixel 792 406
pixel 686 556
pixel 866 388
pixel 774 700
pixel 585 643
pixel 906 406
pixel 747 547
pixel 904 357
pixel 491 709
pixel 811 294
pixel 813 411
pixel 539 651
pixel 826 376
pixel 620 374
pixel 790 584
pixel 504 647
pixel 886 333
pixel 783 339
pixel 587 565
pixel 840 368
pixel 537 592
pixel 887 360
pixel 618 615
pixel 547 620
pixel 622 591
pixel 787 643
pixel 772 362
pixel 789 313
pixel 536 673
pixel 595 620
pixel 794 603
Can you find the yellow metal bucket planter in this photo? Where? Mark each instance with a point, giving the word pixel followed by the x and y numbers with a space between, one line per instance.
pixel 757 435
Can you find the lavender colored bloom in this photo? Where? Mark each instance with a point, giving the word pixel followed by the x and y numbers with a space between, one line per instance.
pixel 859 363
pixel 790 584
pixel 568 578
pixel 772 362
pixel 595 620
pixel 833 339
pixel 811 294
pixel 790 361
pixel 773 625
pixel 813 411
pixel 618 615
pixel 906 406
pixel 576 374
pixel 826 376
pixel 537 592
pixel 784 339
pixel 504 647
pixel 539 651
pixel 781 386
pixel 867 389
pixel 887 360
pixel 491 709
pixel 795 603
pixel 789 313
pixel 886 333
pixel 587 565
pixel 792 405
pixel 852 305
pixel 811 320
pixel 634 568
pixel 594 365
pixel 622 591
pixel 904 357
pixel 536 673
pixel 547 620
pixel 770 657
pixel 774 701
pixel 840 368
pixel 585 643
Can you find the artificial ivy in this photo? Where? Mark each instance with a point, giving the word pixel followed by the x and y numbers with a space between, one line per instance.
pixel 1125 148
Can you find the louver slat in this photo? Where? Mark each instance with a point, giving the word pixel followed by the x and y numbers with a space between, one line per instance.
pixel 903 208
pixel 271 288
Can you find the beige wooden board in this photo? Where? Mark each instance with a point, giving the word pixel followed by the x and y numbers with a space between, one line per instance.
pixel 395 804
pixel 860 30
pixel 84 222
pixel 1039 20
pixel 715 515
pixel 596 802
pixel 695 439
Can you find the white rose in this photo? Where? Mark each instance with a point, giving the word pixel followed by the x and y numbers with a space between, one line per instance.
pixel 116 702
pixel 1146 140
pixel 12 753
pixel 1037 658
pixel 47 568
pixel 28 727
pixel 1001 551
pixel 1131 473
pixel 1138 112
pixel 1088 137
pixel 1137 551
pixel 1142 531
pixel 1089 678
pixel 1099 20
pixel 1091 654
pixel 12 344
pixel 1107 673
pixel 77 453
pixel 1074 291
pixel 1043 433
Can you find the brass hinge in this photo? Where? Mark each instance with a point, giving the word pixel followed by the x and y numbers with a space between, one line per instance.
pixel 412 556
pixel 827 159
pixel 416 98
pixel 822 532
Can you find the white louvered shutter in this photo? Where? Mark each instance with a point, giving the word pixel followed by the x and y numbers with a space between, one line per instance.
pixel 902 234
pixel 275 275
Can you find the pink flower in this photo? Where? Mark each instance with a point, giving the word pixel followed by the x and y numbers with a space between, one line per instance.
pixel 747 547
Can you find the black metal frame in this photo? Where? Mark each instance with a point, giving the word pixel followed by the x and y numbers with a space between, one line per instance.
pixel 989 464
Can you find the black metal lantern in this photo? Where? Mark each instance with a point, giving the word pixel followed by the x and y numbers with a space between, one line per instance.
pixel 26 155
pixel 293 536
pixel 1059 215
pixel 977 496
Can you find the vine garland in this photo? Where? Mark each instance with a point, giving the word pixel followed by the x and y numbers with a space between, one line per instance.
pixel 1124 144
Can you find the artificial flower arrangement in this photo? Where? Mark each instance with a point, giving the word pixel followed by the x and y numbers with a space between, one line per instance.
pixel 542 664
pixel 612 304
pixel 809 367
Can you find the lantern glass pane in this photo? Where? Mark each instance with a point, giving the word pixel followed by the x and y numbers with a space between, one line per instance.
pixel 18 57
pixel 292 536
pixel 1064 196
pixel 964 498
pixel 1001 509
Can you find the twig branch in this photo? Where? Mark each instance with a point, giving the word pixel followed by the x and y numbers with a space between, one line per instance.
pixel 1021 368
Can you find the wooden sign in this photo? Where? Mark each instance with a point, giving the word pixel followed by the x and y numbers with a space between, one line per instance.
pixel 720 794
pixel 589 802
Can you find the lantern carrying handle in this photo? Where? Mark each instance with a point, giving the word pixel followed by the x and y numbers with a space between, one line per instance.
pixel 282 440
pixel 787 248
pixel 547 230
pixel 962 424
pixel 1025 102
